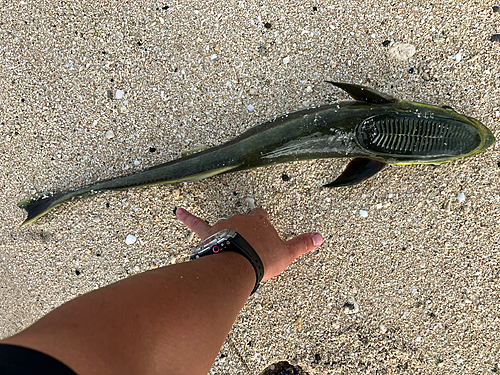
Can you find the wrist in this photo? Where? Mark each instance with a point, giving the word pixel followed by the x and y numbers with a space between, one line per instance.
pixel 228 240
pixel 233 269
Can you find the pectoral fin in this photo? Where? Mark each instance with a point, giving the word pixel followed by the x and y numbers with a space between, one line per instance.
pixel 358 170
pixel 364 94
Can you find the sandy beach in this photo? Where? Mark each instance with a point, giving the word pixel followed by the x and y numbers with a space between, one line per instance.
pixel 407 280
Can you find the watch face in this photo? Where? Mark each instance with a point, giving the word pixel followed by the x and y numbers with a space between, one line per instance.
pixel 213 244
pixel 214 236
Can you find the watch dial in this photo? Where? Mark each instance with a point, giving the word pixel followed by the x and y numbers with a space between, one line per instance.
pixel 223 233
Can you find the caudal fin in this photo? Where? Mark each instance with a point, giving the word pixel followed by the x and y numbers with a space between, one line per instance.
pixel 39 204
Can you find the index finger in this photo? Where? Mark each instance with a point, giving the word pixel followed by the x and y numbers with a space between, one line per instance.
pixel 197 225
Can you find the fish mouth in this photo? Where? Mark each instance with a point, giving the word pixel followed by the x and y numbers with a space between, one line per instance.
pixel 422 138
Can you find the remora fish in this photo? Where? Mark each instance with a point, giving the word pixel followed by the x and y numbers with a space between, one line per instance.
pixel 375 129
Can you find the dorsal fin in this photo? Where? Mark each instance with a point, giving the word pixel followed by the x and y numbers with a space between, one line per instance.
pixel 364 94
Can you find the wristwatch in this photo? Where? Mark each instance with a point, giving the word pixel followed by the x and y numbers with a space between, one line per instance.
pixel 229 240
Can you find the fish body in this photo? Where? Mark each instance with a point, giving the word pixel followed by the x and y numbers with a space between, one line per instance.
pixel 375 129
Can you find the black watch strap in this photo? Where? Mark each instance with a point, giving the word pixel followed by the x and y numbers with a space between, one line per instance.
pixel 245 249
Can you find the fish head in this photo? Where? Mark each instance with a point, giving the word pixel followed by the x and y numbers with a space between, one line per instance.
pixel 487 137
pixel 415 133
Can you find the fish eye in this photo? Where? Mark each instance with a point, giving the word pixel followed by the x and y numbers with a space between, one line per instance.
pixel 448 108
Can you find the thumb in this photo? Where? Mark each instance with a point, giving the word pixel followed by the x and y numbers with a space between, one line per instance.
pixel 304 243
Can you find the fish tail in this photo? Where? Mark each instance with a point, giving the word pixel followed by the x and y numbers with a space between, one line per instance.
pixel 38 205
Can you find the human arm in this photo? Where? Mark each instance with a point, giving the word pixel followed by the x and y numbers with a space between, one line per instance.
pixel 170 320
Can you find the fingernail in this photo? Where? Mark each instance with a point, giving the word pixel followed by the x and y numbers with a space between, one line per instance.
pixel 179 211
pixel 317 239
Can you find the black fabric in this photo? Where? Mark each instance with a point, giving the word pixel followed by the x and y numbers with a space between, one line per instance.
pixel 17 360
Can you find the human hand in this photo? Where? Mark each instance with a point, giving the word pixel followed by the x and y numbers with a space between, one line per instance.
pixel 257 230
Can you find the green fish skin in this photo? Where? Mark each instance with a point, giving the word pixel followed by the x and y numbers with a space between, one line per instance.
pixel 375 129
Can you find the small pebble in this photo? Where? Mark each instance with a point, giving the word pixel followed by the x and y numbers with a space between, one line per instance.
pixel 309 89
pixel 130 239
pixel 137 162
pixel 496 9
pixel 383 329
pixel 351 306
pixel 250 108
pixel 286 60
pixel 437 39
pixel 109 134
pixel 386 43
pixel 213 57
pixel 401 51
pixel 119 94
pixel 379 206
pixel 495 38
pixel 250 201
pixel 457 57
pixel 461 197
pixel 363 213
